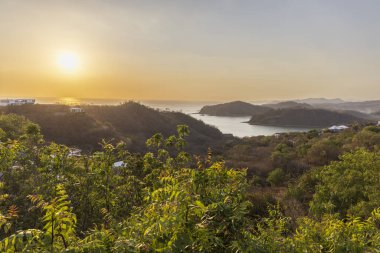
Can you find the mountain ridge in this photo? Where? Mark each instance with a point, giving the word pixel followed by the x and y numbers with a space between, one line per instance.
pixel 233 109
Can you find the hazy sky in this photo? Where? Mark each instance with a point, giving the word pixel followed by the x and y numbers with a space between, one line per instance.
pixel 191 50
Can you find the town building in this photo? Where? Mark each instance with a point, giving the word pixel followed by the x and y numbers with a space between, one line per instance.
pixel 76 110
pixel 337 128
pixel 6 102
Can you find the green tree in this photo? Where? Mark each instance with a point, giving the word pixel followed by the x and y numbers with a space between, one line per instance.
pixel 276 177
pixel 349 186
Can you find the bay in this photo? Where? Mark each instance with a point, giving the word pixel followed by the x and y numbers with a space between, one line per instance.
pixel 236 126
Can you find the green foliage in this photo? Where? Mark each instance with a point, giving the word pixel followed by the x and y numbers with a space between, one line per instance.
pixel 304 188
pixel 166 201
pixel 276 177
pixel 282 155
pixel 333 235
pixel 323 151
pixel 369 137
pixel 14 127
pixel 8 215
pixel 58 231
pixel 200 210
pixel 349 186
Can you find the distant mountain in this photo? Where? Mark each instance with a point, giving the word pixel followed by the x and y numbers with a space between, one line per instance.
pixel 301 117
pixel 358 114
pixel 234 109
pixel 364 106
pixel 288 104
pixel 342 107
pixel 313 101
pixel 130 122
pixel 376 114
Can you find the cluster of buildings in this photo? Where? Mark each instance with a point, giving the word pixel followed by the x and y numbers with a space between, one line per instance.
pixel 31 101
pixel 6 102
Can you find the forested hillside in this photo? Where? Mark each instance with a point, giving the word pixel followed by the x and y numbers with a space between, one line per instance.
pixel 130 122
pixel 361 106
pixel 291 114
pixel 233 109
pixel 158 201
pixel 288 104
pixel 304 117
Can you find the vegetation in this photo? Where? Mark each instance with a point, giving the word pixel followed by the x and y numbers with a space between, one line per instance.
pixel 346 187
pixel 166 200
pixel 233 109
pixel 288 104
pixel 296 153
pixel 294 114
pixel 304 117
pixel 276 177
pixel 130 122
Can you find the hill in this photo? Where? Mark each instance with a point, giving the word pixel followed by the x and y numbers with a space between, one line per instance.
pixel 140 122
pixel 370 117
pixel 130 122
pixel 316 101
pixel 300 117
pixel 376 114
pixel 359 109
pixel 362 106
pixel 233 109
pixel 288 104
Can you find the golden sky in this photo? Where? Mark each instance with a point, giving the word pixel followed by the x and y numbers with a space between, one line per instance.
pixel 191 50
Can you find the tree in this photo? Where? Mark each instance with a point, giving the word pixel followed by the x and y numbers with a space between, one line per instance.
pixel 349 186
pixel 276 177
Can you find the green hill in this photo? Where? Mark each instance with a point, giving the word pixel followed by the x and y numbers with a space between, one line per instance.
pixel 303 117
pixel 130 122
pixel 233 109
pixel 288 104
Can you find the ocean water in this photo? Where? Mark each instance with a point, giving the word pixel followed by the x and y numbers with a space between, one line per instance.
pixel 236 126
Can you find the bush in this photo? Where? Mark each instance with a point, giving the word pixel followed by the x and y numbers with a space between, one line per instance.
pixel 276 177
pixel 350 186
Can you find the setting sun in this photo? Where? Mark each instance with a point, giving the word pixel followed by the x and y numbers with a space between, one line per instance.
pixel 68 61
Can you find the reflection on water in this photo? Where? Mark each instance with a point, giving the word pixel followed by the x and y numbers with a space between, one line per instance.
pixel 69 101
pixel 238 127
pixel 79 101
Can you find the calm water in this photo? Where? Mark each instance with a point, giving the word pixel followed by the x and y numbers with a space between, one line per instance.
pixel 227 125
pixel 238 127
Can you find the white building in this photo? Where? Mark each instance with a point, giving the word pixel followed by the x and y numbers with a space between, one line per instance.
pixel 76 110
pixel 6 102
pixel 119 164
pixel 338 128
pixel 378 123
pixel 75 152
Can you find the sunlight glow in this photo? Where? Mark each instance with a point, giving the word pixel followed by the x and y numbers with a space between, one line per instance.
pixel 68 61
pixel 69 101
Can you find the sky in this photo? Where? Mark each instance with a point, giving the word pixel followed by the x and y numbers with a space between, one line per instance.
pixel 203 50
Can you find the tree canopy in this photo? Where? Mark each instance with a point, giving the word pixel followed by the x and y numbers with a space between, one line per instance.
pixel 167 200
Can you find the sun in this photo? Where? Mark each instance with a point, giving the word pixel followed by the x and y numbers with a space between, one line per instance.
pixel 68 61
